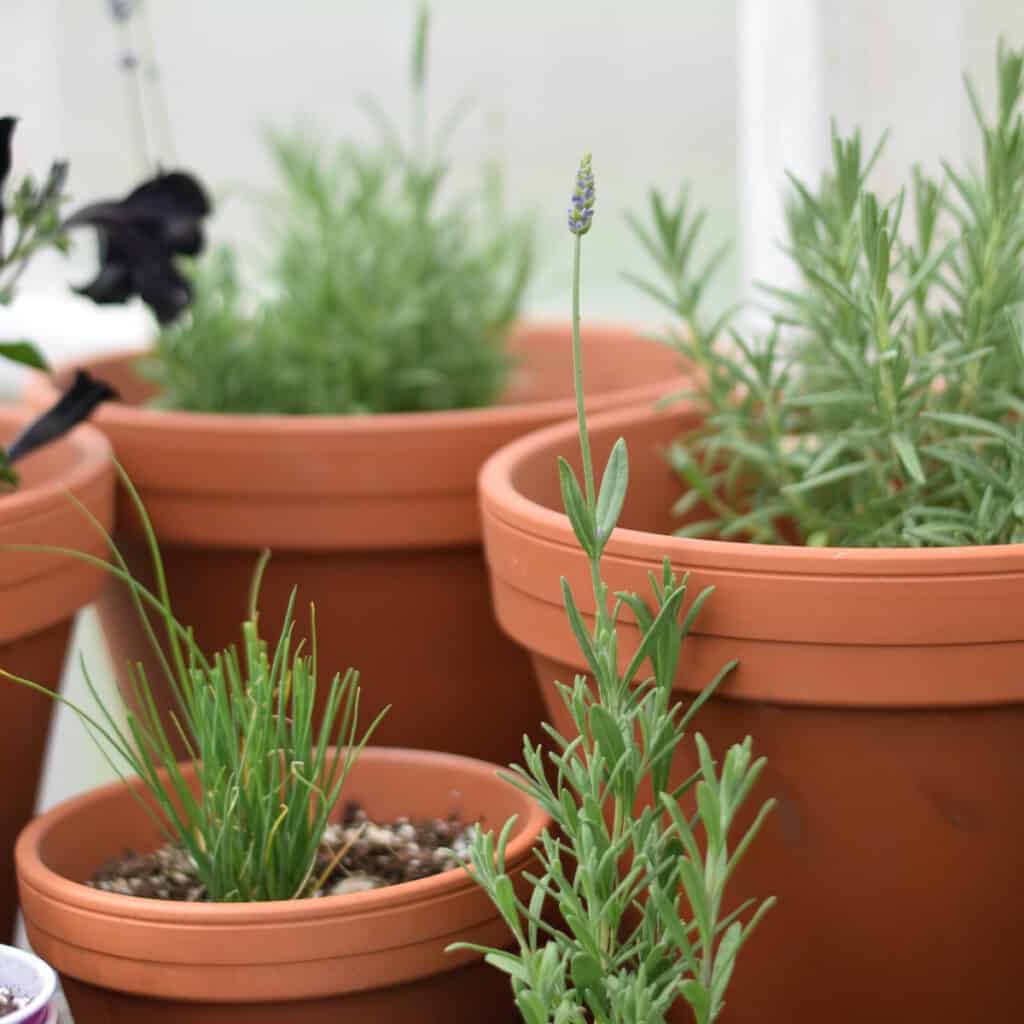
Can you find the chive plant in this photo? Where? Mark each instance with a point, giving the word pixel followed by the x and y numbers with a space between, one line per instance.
pixel 638 884
pixel 268 777
pixel 386 292
pixel 884 406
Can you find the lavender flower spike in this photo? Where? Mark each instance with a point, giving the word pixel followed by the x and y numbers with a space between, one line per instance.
pixel 581 206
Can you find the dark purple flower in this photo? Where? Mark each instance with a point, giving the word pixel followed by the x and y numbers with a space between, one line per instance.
pixel 581 204
pixel 122 10
pixel 139 237
pixel 6 131
pixel 71 408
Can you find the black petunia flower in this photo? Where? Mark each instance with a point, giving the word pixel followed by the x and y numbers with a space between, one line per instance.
pixel 75 405
pixel 6 131
pixel 139 237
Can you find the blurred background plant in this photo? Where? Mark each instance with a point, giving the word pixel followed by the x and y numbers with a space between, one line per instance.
pixel 884 405
pixel 384 294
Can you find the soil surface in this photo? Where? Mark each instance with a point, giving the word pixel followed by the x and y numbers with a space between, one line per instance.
pixel 354 856
pixel 11 1001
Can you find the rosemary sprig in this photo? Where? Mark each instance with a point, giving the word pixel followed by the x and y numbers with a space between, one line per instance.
pixel 640 896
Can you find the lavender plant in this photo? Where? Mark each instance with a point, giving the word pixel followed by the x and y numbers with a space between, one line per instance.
pixel 267 777
pixel 638 884
pixel 884 407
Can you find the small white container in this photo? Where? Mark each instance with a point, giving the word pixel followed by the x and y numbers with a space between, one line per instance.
pixel 30 976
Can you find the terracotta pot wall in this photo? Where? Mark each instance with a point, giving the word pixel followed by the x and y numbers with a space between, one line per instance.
pixel 25 723
pixel 39 598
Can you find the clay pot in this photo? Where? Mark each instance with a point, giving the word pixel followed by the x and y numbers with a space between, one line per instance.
pixel 373 517
pixel 39 598
pixel 885 687
pixel 370 956
pixel 28 976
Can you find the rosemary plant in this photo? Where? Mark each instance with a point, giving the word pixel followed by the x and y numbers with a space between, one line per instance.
pixel 884 406
pixel 638 885
pixel 267 778
pixel 385 296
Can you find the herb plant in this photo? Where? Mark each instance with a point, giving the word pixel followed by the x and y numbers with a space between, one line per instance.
pixel 267 778
pixel 385 296
pixel 884 407
pixel 37 226
pixel 623 848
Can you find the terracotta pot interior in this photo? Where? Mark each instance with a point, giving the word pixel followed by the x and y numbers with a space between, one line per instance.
pixel 653 485
pixel 76 845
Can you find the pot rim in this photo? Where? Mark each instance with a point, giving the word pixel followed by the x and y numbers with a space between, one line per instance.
pixel 46 974
pixel 500 498
pixel 92 452
pixel 125 415
pixel 33 872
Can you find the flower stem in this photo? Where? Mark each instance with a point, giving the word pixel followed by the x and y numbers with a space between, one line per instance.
pixel 577 374
pixel 590 488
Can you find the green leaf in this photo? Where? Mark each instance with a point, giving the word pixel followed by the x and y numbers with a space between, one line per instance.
pixel 710 813
pixel 506 962
pixel 851 469
pixel 532 1007
pixel 419 48
pixel 982 426
pixel 696 995
pixel 668 915
pixel 504 897
pixel 908 456
pixel 579 629
pixel 7 472
pixel 613 491
pixel 693 885
pixel 606 734
pixel 23 352
pixel 576 507
pixel 586 971
pixel 725 961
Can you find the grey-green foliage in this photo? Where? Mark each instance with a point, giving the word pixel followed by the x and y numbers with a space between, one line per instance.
pixel 639 883
pixel 386 294
pixel 34 210
pixel 268 775
pixel 884 407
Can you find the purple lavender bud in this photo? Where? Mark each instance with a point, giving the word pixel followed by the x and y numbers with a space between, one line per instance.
pixel 122 10
pixel 581 206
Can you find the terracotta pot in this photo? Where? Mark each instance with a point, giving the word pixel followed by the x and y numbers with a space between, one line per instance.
pixel 886 688
pixel 371 956
pixel 373 517
pixel 26 975
pixel 39 597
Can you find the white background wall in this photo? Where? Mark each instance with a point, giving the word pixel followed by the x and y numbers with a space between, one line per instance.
pixel 725 94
